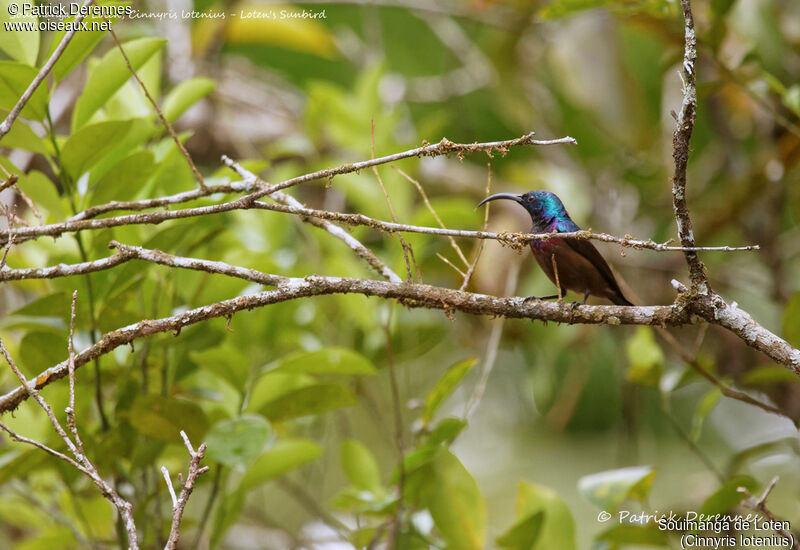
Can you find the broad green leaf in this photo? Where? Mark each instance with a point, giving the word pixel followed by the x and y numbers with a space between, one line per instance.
pixel 110 74
pixel 523 534
pixel 359 466
pixel 452 497
pixel 239 441
pixel 51 536
pixel 229 364
pixel 91 143
pixel 358 501
pixel 705 406
pixel 791 320
pixel 608 490
pixel 41 350
pixel 14 80
pixel 727 497
pixel 624 535
pixel 558 527
pixel 325 361
pixel 645 357
pixel 445 431
pixel 82 42
pixel 792 98
pixel 44 194
pixel 56 304
pixel 20 45
pixel 184 95
pixel 274 385
pixel 445 386
pixel 21 136
pixel 309 400
pixel 283 457
pixel 125 179
pixel 163 418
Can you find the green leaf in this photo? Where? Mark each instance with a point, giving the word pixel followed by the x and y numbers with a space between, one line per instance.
pixel 791 320
pixel 645 357
pixel 125 179
pixel 523 534
pixel 239 441
pixel 283 457
pixel 110 74
pixel 325 361
pixel 21 136
pixel 91 143
pixel 359 466
pixel 792 98
pixel 309 400
pixel 558 527
pixel 14 80
pixel 41 350
pixel 22 46
pixel 607 490
pixel 184 95
pixel 452 497
pixel 705 406
pixel 229 364
pixel 727 497
pixel 445 386
pixel 272 386
pixel 163 418
pixel 82 42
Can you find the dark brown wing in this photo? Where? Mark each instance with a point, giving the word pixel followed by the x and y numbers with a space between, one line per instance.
pixel 588 251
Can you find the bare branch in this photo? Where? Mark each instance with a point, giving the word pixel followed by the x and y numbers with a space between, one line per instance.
pixel 760 504
pixel 290 202
pixel 178 505
pixel 5 127
pixel 680 152
pixel 290 288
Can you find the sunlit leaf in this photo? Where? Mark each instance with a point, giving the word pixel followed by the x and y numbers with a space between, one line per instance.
pixel 359 466
pixel 14 80
pixel 608 490
pixel 285 456
pixel 315 399
pixel 645 358
pixel 446 386
pixel 523 534
pixel 557 529
pixel 20 45
pixel 184 95
pixel 110 74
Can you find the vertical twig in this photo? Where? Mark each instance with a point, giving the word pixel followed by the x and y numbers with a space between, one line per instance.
pixel 680 152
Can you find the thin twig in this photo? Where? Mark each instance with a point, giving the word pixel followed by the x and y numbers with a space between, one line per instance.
pixel 161 117
pixel 760 504
pixel 179 504
pixel 406 248
pixel 5 127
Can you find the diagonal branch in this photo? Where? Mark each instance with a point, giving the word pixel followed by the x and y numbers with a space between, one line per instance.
pixel 5 127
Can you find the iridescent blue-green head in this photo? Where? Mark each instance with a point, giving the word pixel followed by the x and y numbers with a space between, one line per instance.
pixel 545 208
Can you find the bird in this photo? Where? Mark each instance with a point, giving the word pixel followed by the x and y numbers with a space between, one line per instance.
pixel 572 264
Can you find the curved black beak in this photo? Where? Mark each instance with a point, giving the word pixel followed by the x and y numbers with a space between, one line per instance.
pixel 509 196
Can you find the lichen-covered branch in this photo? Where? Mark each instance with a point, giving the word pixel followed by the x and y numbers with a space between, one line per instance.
pixel 291 288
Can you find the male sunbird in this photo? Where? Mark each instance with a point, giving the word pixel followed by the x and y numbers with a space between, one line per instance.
pixel 571 264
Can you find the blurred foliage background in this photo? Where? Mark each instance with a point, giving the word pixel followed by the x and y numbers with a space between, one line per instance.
pixel 295 402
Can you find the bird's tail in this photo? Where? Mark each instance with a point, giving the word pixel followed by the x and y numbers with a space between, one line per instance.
pixel 620 300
